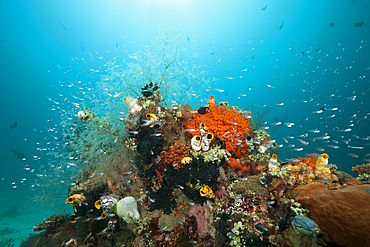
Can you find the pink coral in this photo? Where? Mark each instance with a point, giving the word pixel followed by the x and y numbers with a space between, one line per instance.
pixel 199 213
pixel 221 193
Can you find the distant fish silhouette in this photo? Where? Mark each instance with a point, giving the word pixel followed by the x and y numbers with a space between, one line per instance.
pixel 65 29
pixel 82 47
pixel 117 45
pixel 18 154
pixel 14 125
pixel 264 7
pixel 319 49
pixel 359 24
pixel 281 26
pixel 188 38
pixel 303 53
pixel 332 24
pixel 253 57
pixel 212 53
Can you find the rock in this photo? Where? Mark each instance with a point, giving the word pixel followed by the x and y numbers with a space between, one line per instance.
pixel 343 214
pixel 127 209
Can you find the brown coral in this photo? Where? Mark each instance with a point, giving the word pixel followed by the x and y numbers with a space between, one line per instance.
pixel 362 169
pixel 52 223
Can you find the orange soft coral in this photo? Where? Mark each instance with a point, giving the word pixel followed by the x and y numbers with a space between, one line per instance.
pixel 224 123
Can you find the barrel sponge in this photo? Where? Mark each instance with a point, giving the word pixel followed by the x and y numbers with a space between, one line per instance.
pixel 127 209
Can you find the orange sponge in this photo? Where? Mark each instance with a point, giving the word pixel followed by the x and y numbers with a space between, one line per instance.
pixel 224 123
pixel 235 164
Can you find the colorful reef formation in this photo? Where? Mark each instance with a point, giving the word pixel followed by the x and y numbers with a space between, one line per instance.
pixel 171 175
pixel 187 177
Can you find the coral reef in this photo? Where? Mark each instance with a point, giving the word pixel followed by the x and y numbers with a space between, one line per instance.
pixel 144 169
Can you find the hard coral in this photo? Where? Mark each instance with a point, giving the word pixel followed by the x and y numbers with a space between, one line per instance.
pixel 224 123
pixel 52 223
pixel 302 172
pixel 362 169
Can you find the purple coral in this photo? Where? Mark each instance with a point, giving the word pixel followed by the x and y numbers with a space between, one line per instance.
pixel 221 193
pixel 199 213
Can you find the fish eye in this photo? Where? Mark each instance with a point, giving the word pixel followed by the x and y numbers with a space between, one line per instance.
pixel 248 138
pixel 209 136
pixel 197 138
pixel 147 116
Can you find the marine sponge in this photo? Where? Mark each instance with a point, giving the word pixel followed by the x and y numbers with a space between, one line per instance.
pixel 362 169
pixel 224 123
pixel 174 156
pixel 199 213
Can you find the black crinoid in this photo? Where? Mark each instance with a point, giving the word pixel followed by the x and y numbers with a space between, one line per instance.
pixel 149 89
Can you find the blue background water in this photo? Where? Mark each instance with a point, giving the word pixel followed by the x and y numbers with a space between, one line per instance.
pixel 48 45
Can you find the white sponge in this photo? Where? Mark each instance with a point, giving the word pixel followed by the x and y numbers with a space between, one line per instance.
pixel 127 209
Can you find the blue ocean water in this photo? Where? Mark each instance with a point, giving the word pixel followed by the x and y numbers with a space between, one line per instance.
pixel 283 55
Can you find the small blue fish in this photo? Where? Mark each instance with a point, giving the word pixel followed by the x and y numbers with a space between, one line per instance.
pixel 151 200
pixel 146 123
pixel 103 231
pixel 110 215
pixel 163 229
pixel 141 198
pixel 156 134
pixel 322 181
pixel 190 130
pixel 268 203
pixel 98 218
pixel 193 242
pixel 191 203
pixel 236 197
